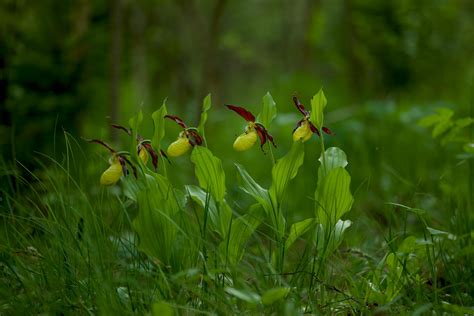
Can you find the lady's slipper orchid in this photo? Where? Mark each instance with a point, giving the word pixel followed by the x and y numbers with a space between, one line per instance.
pixel 246 140
pixel 144 147
pixel 143 155
pixel 188 138
pixel 304 128
pixel 118 165
pixel 113 173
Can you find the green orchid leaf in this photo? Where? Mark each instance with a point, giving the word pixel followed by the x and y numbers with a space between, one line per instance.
pixel 156 222
pixel 298 229
pixel 333 197
pixel 206 105
pixel 251 187
pixel 209 172
pixel 318 103
pixel 269 110
pixel 339 230
pixel 220 217
pixel 334 158
pixel 329 239
pixel 263 197
pixel 232 249
pixel 158 126
pixel 285 170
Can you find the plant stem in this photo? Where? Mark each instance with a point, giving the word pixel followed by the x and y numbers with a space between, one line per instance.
pixel 271 154
pixel 323 152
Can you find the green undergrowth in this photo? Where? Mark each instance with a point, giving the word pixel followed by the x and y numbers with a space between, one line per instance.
pixel 150 244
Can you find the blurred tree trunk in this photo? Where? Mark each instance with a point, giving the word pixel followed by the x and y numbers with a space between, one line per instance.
pixel 210 73
pixel 4 114
pixel 139 54
pixel 190 27
pixel 350 45
pixel 115 58
pixel 307 20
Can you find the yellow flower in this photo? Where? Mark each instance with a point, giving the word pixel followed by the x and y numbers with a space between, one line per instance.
pixel 179 147
pixel 303 132
pixel 113 173
pixel 246 140
pixel 143 154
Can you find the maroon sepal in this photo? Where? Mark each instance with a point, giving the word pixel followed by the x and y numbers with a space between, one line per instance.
pixel 194 137
pixel 154 156
pixel 328 131
pixel 314 129
pixel 300 106
pixel 163 154
pixel 101 143
pixel 123 164
pixel 120 127
pixel 125 159
pixel 177 120
pixel 247 115
pixel 270 138
pixel 263 135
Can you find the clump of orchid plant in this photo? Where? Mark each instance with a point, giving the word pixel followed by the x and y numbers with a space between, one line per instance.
pixel 188 138
pixel 305 128
pixel 253 130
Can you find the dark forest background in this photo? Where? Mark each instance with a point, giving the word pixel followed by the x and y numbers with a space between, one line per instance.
pixel 82 64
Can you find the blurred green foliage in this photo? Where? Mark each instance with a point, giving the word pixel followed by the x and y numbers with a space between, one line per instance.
pixel 62 63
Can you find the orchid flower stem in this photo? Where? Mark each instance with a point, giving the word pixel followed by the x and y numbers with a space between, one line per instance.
pixel 323 153
pixel 204 138
pixel 163 163
pixel 271 154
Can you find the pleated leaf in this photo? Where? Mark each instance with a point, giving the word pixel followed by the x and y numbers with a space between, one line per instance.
pixel 298 229
pixel 251 187
pixel 209 172
pixel 318 103
pixel 335 158
pixel 158 125
pixel 241 230
pixel 206 105
pixel 333 197
pixel 286 169
pixel 269 110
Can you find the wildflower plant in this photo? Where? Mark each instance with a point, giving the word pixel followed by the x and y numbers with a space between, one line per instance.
pixel 305 128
